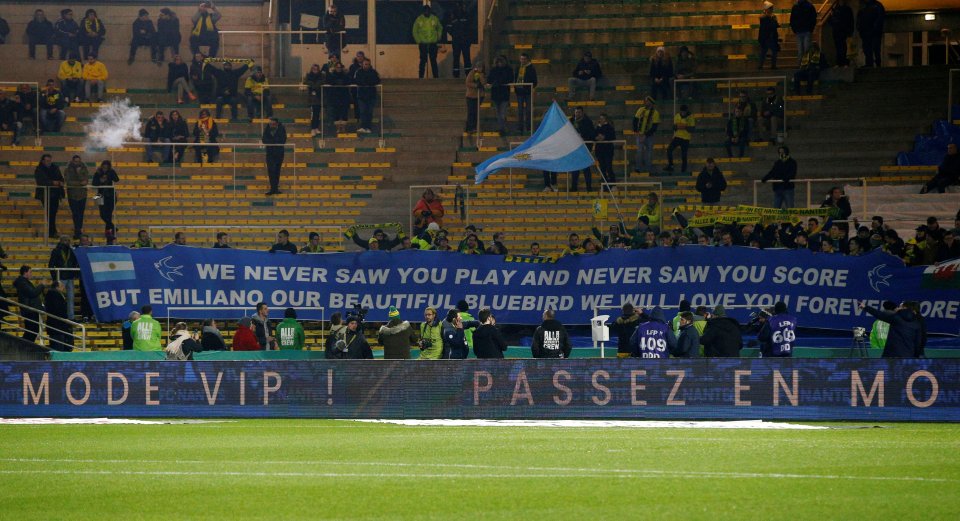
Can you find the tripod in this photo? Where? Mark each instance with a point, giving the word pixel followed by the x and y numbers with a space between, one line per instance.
pixel 859 346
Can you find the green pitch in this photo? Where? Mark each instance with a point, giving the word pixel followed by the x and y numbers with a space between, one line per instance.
pixel 286 469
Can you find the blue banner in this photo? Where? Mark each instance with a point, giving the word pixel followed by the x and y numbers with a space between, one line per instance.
pixel 850 389
pixel 821 290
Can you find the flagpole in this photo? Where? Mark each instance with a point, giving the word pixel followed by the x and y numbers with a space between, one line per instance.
pixel 616 204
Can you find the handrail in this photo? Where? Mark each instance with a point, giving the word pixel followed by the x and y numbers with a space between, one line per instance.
pixel 323 106
pixel 730 80
pixel 511 144
pixel 43 326
pixel 533 97
pixel 809 182
pixel 335 228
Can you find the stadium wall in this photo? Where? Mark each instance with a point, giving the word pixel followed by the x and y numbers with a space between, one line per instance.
pixel 727 389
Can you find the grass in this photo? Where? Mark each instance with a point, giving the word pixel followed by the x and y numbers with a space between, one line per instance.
pixel 315 469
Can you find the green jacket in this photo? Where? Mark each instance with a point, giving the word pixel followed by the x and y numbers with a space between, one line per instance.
pixel 289 334
pixel 468 333
pixel 878 334
pixel 145 332
pixel 427 29
pixel 432 332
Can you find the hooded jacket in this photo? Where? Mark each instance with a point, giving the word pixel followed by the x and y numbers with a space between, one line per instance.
pixel 145 332
pixel 688 343
pixel 722 338
pixel 396 336
pixel 653 337
pixel 212 340
pixel 245 340
pixel 336 333
pixel 355 347
pixel 550 340
pixel 289 334
pixel 905 337
pixel 624 327
pixel 488 342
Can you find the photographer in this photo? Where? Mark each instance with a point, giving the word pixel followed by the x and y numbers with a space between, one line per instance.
pixel 182 344
pixel 905 337
pixel 431 336
pixel 721 338
pixel 353 345
pixel 778 333
pixel 205 30
pixel 487 340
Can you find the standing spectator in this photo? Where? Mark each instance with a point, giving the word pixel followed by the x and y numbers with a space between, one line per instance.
pixel 842 25
pixel 587 131
pixel 810 64
pixel 948 172
pixel 178 75
pixel 223 241
pixel 274 134
pixel 367 80
pixel 313 244
pixel 604 151
pixel 526 73
pixel 40 32
pixel 501 75
pixel 476 80
pixel 70 75
pixel 428 210
pixel 778 333
pixel 840 202
pixel 653 338
pixel 262 327
pixel 487 340
pixel 49 190
pixel 257 91
pixel 769 35
pixel 179 134
pixel 244 339
pixel 771 110
pixel 103 180
pixel 688 341
pixel 550 340
pixel 146 331
pixel 92 31
pixel 783 172
pixel 283 243
pixel 205 32
pixel 10 116
pixel 870 20
pixel 94 77
pixel 314 83
pixel 905 334
pixel 337 98
pixel 144 35
pixel 29 295
pixel 334 24
pixel 711 183
pixel 126 330
pixel 77 177
pixel 168 34
pixel 157 130
pixel 685 69
pixel 51 109
pixel 205 133
pixel 68 34
pixel 624 327
pixel 227 80
pixel 289 332
pixel 683 123
pixel 721 337
pixel 202 78
pixel 651 212
pixel 738 132
pixel 426 33
pixel 456 26
pixel 645 123
pixel 211 339
pixel 803 20
pixel 463 309
pixel 143 240
pixel 62 262
pixel 29 101
pixel 586 73
pixel 396 336
pixel 661 73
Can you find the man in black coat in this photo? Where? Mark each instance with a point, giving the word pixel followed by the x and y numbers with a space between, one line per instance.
pixel 49 190
pixel 144 35
pixel 784 170
pixel 227 80
pixel 274 134
pixel 456 26
pixel 841 22
pixel 870 20
pixel 905 338
pixel 354 345
pixel 711 183
pixel 59 331
pixel 487 340
pixel 721 337
pixel 29 295
pixel 623 327
pixel 948 173
pixel 803 20
pixel 550 340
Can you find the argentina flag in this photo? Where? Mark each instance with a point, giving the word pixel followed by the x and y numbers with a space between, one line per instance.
pixel 111 266
pixel 555 147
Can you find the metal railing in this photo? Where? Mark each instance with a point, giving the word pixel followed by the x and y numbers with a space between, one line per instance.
pixel 44 237
pixel 615 142
pixel 338 230
pixel 480 102
pixel 614 191
pixel 461 202
pixel 38 141
pixel 323 107
pixel 42 325
pixel 731 81
pixel 809 183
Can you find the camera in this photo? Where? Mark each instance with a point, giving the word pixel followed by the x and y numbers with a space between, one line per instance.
pixel 426 343
pixel 758 317
pixel 360 312
pixel 859 333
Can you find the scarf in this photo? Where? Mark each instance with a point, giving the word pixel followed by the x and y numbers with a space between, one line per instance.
pixel 204 24
pixel 205 125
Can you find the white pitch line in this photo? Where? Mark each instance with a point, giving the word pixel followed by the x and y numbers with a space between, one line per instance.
pixel 528 472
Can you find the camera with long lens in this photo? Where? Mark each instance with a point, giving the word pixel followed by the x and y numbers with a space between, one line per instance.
pixel 426 343
pixel 360 312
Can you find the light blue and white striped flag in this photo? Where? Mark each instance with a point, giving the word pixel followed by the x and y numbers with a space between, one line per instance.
pixel 112 266
pixel 555 147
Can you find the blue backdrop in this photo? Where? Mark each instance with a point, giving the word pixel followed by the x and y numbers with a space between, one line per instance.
pixel 822 290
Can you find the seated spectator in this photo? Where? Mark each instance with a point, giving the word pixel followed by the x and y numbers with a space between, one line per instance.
pixel 178 75
pixel 227 80
pixel 68 34
pixel 893 244
pixel 92 31
pixel 337 97
pixel 586 74
pixel 70 75
pixel 428 210
pixel 244 338
pixel 94 77
pixel 168 33
pixel 738 132
pixel 749 110
pixel 144 35
pixel 40 32
pixel 771 110
pixel 574 246
pixel 27 98
pixel 143 240
pixel 686 68
pixel 840 203
pixel 661 74
pixel 201 78
pixel 178 134
pixel 210 337
pixel 471 245
pixel 205 32
pixel 948 173
pixel 950 248
pixel 205 131
pixel 10 117
pixel 811 63
pixel 283 243
pixel 51 109
pixel 157 130
pixel 257 91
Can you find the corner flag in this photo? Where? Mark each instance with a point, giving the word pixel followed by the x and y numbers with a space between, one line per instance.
pixel 555 147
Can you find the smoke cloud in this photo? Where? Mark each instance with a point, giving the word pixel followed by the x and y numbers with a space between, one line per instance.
pixel 115 123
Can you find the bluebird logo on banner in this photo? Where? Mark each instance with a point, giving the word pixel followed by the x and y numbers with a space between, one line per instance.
pixel 877 279
pixel 166 270
pixel 555 147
